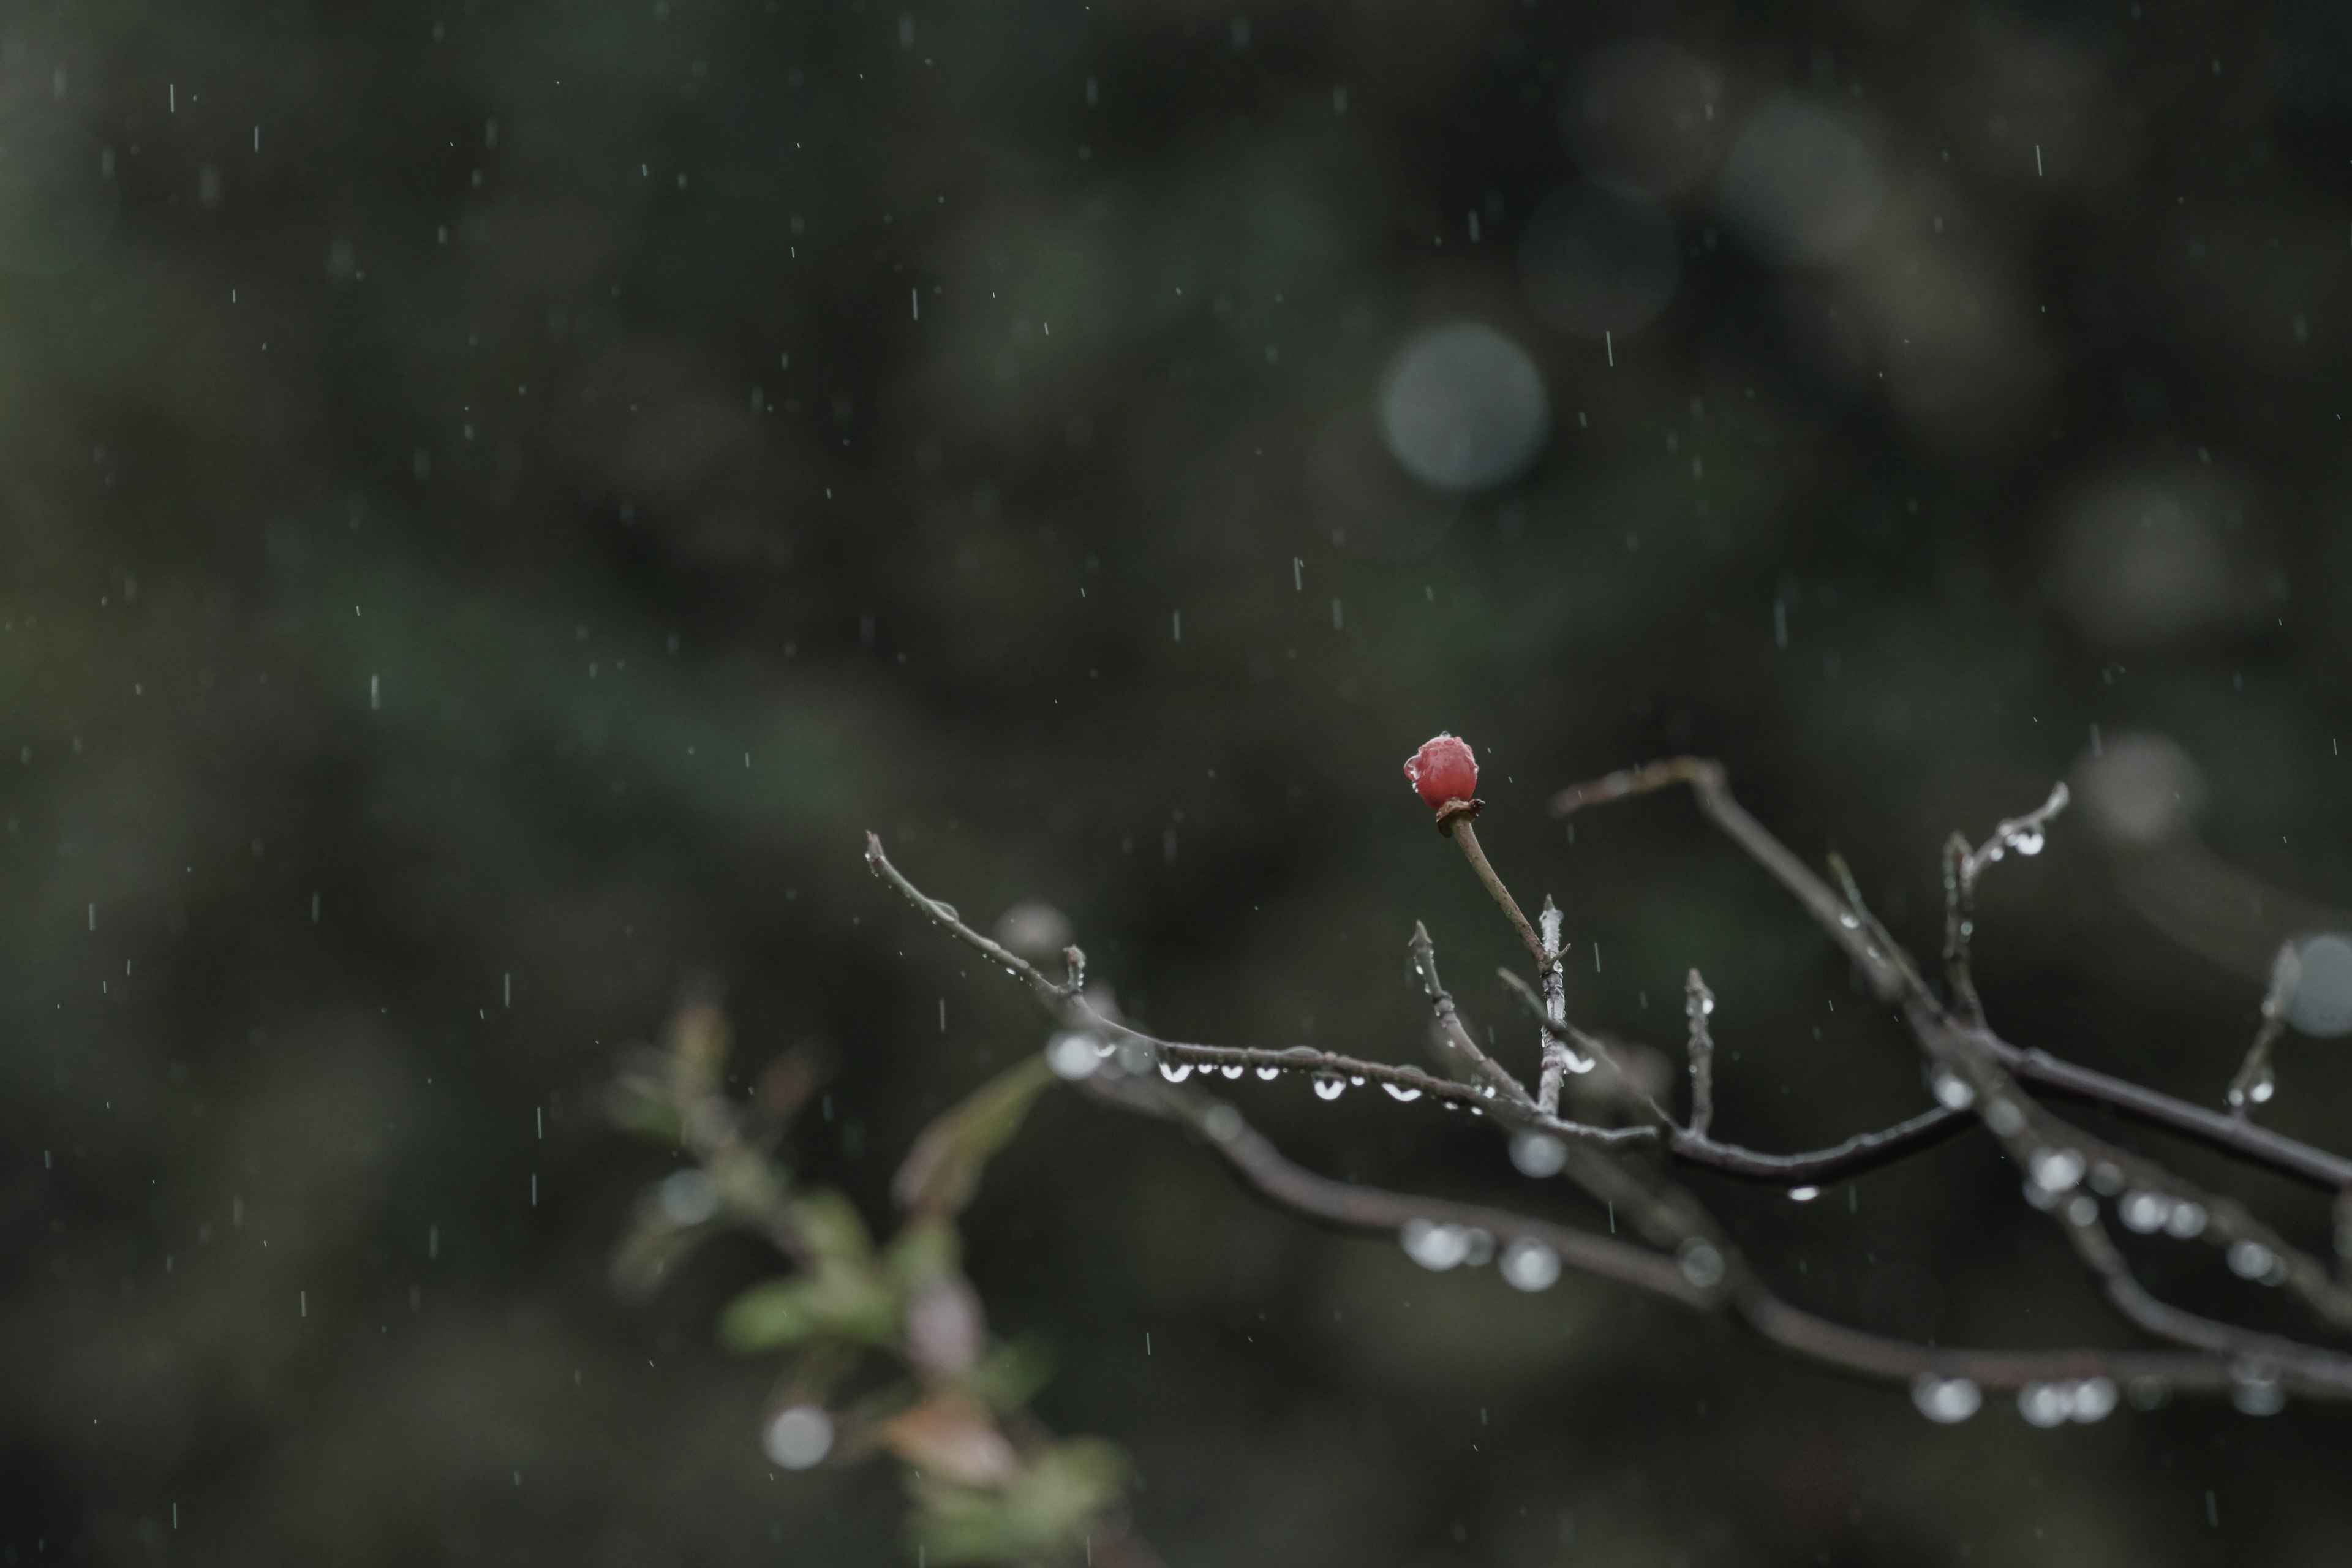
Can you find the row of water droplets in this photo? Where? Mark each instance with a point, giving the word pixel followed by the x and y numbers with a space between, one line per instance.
pixel 2253 1389
pixel 1074 1053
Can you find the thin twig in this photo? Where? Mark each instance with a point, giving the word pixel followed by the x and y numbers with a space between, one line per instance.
pixel 1452 1031
pixel 1962 867
pixel 1697 1003
pixel 1465 832
pixel 2223 1352
pixel 2256 1080
pixel 1960 926
pixel 2245 1140
pixel 1706 778
pixel 1802 1333
pixel 945 916
pixel 1554 1054
pixel 1569 1040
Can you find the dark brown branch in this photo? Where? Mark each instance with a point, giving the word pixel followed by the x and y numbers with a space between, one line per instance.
pixel 2243 1140
pixel 1874 1356
pixel 1360 1207
pixel 1862 1153
pixel 2246 1140
pixel 1703 1261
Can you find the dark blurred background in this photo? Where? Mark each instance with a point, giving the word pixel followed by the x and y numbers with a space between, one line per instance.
pixel 494 499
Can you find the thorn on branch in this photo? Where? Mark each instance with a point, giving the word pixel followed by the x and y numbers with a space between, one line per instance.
pixel 1697 1003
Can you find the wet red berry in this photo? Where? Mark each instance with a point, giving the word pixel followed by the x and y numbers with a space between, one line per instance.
pixel 1444 770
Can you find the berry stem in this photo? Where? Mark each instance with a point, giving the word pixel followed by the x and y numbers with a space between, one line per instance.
pixel 1461 830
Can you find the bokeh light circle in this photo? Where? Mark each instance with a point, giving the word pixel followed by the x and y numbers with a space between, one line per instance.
pixel 1463 408
pixel 1595 261
pixel 1801 186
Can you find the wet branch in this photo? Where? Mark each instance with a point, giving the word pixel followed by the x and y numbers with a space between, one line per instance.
pixel 1975 1075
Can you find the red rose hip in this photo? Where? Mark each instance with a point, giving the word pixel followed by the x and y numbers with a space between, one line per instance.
pixel 1444 770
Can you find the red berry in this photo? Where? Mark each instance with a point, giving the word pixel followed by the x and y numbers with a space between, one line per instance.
pixel 1444 770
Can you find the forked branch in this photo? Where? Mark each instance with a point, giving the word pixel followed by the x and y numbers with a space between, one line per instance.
pixel 1978 1077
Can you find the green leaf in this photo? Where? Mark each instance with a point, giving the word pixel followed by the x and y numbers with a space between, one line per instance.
pixel 836 1303
pixel 943 1171
pixel 925 1250
pixel 1009 1377
pixel 1042 1512
pixel 830 1227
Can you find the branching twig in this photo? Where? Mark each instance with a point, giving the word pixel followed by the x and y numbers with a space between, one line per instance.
pixel 1985 1074
pixel 1962 867
pixel 2244 1141
pixel 1450 1029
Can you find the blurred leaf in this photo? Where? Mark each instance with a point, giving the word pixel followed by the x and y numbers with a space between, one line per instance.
pixel 1009 1376
pixel 835 1303
pixel 1044 1510
pixel 792 1077
pixel 925 1249
pixel 651 1249
pixel 943 1171
pixel 698 1035
pixel 639 1103
pixel 830 1227
pixel 949 1436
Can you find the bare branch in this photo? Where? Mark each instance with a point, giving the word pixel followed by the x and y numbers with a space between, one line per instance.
pixel 2243 1140
pixel 1872 1356
pixel 1862 1153
pixel 945 915
pixel 1705 1270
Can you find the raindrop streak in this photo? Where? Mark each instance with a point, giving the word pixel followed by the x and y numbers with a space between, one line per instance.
pixel 1803 1194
